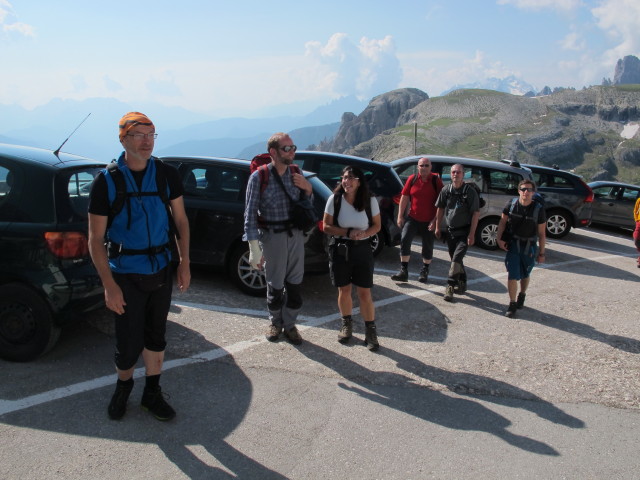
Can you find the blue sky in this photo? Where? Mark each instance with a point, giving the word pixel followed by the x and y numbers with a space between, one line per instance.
pixel 240 58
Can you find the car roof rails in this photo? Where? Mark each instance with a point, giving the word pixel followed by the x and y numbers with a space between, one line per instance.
pixel 513 163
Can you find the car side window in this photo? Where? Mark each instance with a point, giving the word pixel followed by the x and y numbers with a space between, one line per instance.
pixel 604 192
pixel 560 182
pixel 629 195
pixel 10 210
pixel 502 182
pixel 405 171
pixel 72 193
pixel 215 182
pixel 330 173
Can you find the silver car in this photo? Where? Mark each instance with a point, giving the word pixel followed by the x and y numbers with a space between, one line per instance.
pixel 613 203
pixel 497 181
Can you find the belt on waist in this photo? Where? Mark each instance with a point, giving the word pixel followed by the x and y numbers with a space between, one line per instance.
pixel 353 242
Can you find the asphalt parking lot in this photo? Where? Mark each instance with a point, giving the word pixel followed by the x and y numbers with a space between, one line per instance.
pixel 456 388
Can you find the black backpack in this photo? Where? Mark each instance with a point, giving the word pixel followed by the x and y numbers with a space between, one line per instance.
pixel 465 190
pixel 122 196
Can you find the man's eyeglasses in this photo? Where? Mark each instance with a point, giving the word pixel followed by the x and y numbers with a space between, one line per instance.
pixel 456 172
pixel 141 136
pixel 288 148
pixel 526 189
pixel 426 165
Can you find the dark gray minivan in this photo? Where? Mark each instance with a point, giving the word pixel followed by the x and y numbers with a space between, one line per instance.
pixel 497 181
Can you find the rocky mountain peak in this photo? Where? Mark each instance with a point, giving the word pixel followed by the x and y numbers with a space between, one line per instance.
pixel 627 71
pixel 381 114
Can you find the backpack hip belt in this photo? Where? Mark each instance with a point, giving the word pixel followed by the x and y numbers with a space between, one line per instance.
pixel 114 250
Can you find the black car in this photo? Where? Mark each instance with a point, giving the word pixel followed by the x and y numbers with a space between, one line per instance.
pixel 383 182
pixel 46 276
pixel 214 198
pixel 567 198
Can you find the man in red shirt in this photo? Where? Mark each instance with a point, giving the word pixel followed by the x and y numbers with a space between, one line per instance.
pixel 419 194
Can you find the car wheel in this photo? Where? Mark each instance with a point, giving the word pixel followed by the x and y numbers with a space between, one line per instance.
pixel 377 243
pixel 26 324
pixel 486 234
pixel 246 278
pixel 558 224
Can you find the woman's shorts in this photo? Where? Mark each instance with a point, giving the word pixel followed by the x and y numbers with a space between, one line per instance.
pixel 356 267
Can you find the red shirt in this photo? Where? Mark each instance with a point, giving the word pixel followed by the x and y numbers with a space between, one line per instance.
pixel 423 197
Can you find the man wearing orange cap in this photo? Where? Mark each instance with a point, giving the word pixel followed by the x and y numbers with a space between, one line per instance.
pixel 136 206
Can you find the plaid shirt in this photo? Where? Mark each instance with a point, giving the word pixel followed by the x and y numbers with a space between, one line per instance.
pixel 272 205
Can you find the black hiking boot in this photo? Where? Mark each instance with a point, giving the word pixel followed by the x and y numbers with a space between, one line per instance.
pixel 371 337
pixel 346 331
pixel 118 404
pixel 153 401
pixel 511 311
pixel 424 274
pixel 401 276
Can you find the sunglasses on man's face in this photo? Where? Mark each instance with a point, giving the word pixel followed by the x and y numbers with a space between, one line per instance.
pixel 526 189
pixel 288 148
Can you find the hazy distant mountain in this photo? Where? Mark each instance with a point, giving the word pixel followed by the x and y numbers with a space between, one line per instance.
pixel 510 84
pixel 49 125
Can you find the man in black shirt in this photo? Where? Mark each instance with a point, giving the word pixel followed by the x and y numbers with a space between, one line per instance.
pixel 524 221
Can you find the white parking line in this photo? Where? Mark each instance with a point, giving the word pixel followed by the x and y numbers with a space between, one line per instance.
pixel 9 406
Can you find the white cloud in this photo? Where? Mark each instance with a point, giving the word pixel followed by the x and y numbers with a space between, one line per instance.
pixel 6 12
pixel 573 41
pixel 435 72
pixel 620 19
pixel 364 70
pixel 564 5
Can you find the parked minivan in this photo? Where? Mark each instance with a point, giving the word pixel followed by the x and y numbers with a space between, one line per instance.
pixel 497 181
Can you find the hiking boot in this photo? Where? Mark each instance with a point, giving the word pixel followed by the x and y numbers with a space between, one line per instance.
pixel 401 276
pixel 511 311
pixel 118 404
pixel 448 293
pixel 346 331
pixel 273 333
pixel 371 337
pixel 153 402
pixel 520 302
pixel 424 274
pixel 462 286
pixel 293 336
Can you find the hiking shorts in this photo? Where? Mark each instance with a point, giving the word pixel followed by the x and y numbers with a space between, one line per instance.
pixel 355 268
pixel 520 260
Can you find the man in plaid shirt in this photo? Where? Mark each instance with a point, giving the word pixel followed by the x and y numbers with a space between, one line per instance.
pixel 274 243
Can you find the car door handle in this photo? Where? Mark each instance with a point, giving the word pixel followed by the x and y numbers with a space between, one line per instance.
pixel 223 218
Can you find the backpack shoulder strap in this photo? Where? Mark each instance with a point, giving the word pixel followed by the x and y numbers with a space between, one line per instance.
pixel 413 179
pixel 337 203
pixel 121 192
pixel 161 185
pixel 263 172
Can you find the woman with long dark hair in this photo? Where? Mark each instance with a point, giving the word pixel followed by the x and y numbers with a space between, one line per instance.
pixel 351 216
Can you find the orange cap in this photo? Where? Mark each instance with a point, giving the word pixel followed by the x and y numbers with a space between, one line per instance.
pixel 131 120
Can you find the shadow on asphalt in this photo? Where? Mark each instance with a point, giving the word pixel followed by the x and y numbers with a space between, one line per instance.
pixel 211 399
pixel 438 408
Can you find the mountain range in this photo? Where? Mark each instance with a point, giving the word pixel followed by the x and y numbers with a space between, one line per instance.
pixel 592 131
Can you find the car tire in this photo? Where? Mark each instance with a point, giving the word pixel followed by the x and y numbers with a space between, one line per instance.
pixel 377 243
pixel 558 224
pixel 486 233
pixel 27 329
pixel 250 281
